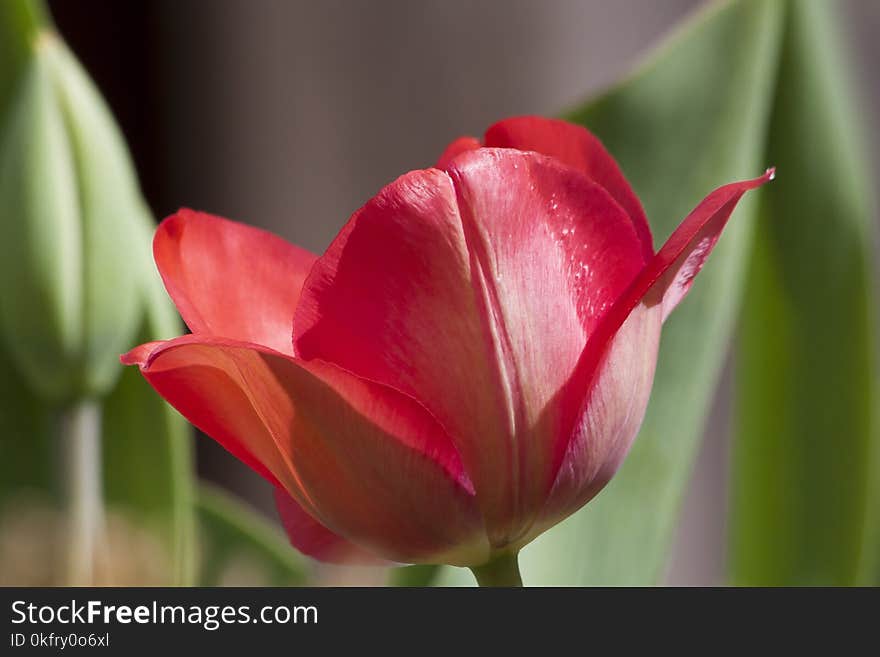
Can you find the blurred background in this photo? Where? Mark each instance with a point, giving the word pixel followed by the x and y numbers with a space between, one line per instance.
pixel 290 115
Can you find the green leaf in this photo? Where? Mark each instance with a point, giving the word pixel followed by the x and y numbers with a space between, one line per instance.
pixel 148 468
pixel 238 547
pixel 26 448
pixel 694 117
pixel 805 447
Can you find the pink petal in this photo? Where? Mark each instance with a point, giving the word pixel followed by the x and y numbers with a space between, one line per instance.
pixel 231 280
pixel 610 417
pixel 366 462
pixel 313 539
pixel 579 148
pixel 475 293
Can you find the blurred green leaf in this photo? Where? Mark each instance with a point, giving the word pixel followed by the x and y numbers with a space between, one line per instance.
pixel 148 465
pixel 806 372
pixel 26 448
pixel 239 547
pixel 694 117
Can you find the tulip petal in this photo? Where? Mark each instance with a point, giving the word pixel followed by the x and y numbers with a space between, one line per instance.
pixel 240 433
pixel 577 147
pixel 231 280
pixel 619 381
pixel 667 278
pixel 365 461
pixel 611 415
pixel 682 256
pixel 474 292
pixel 313 539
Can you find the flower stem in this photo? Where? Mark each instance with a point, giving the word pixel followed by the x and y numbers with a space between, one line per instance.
pixel 79 433
pixel 501 570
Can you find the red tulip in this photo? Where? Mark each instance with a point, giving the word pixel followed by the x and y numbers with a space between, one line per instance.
pixel 465 366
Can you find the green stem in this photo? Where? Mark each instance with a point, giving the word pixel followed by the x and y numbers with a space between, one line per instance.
pixel 501 570
pixel 79 431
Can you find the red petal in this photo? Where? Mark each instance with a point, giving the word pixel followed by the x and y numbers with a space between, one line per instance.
pixel 619 381
pixel 680 259
pixel 231 280
pixel 459 146
pixel 577 147
pixel 313 539
pixel 668 276
pixel 475 292
pixel 365 461
pixel 210 399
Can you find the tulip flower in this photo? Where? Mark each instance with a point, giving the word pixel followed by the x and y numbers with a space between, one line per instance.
pixel 466 365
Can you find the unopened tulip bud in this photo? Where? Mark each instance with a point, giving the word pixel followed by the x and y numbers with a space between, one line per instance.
pixel 69 200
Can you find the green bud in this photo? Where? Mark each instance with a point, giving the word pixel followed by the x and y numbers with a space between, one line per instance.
pixel 70 207
pixel 20 22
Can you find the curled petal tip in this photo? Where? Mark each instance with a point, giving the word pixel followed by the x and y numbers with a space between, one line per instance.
pixel 752 183
pixel 139 355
